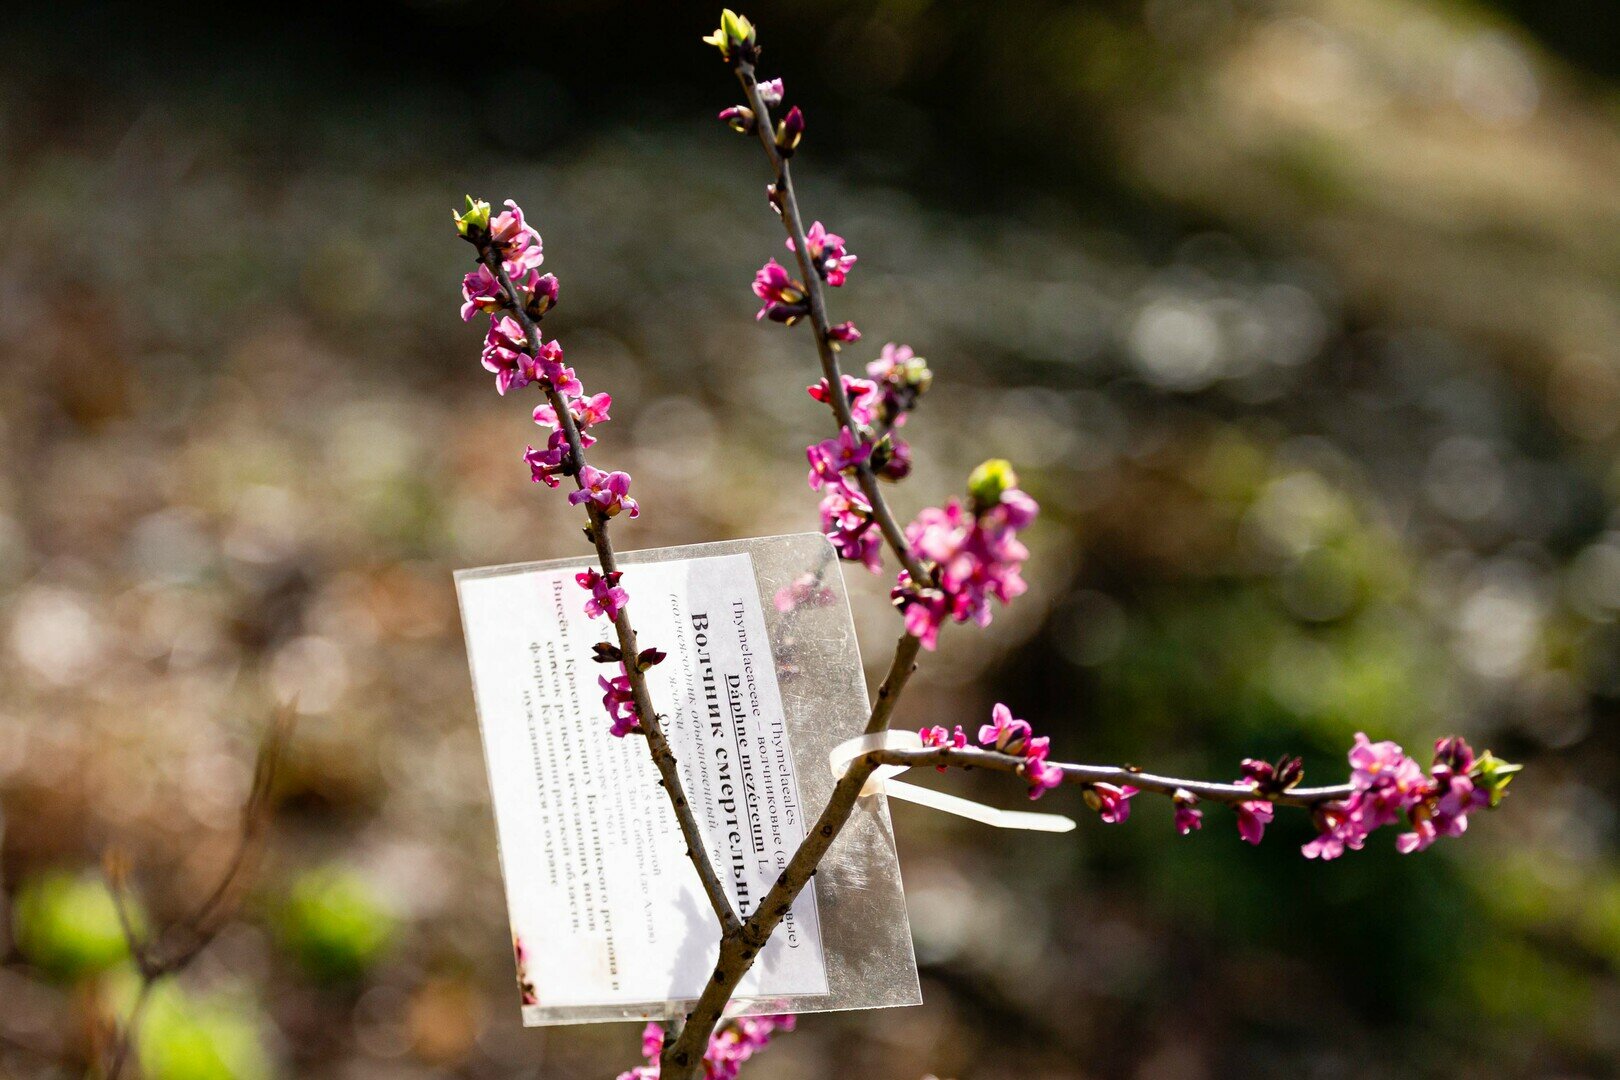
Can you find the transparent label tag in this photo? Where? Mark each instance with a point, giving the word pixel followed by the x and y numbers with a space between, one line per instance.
pixel 762 680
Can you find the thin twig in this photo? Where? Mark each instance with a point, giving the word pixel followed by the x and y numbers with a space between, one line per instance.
pixel 126 1038
pixel 1120 775
pixel 894 683
pixel 657 743
pixel 177 945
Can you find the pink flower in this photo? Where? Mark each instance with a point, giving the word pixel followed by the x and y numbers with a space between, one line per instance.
pixel 518 244
pixel 806 590
pixel 607 597
pixel 1111 803
pixel 1043 776
pixel 609 492
pixel 620 702
pixel 843 332
pixel 1252 818
pixel 827 254
pixel 1188 817
pixel 831 458
pixel 1009 735
pixel 739 118
pixel 783 297
pixel 862 395
pixel 1005 732
pixel 846 519
pixel 1451 797
pixel 1336 833
pixel 545 465
pixel 520 953
pixel 925 609
pixel 937 736
pixel 746 1036
pixel 770 92
pixel 891 359
pixel 480 292
pixel 504 354
pixel 548 368
pixel 1373 764
pixel 587 412
pixel 903 377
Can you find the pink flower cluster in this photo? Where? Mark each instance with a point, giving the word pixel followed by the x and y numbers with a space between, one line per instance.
pixel 1390 787
pixel 608 492
pixel 507 355
pixel 521 254
pixel 607 597
pixel 1006 734
pixel 728 1049
pixel 545 466
pixel 975 555
pixel 783 298
pixel 902 377
pixel 898 380
pixel 507 286
pixel 620 702
pixel 846 513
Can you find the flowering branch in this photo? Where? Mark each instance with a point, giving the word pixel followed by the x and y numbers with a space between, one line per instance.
pixel 828 337
pixel 505 244
pixel 954 560
pixel 174 949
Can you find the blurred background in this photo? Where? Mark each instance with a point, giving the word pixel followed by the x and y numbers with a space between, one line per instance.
pixel 1300 317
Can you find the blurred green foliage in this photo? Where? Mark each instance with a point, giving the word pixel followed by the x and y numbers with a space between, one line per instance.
pixel 67 925
pixel 333 924
pixel 212 1036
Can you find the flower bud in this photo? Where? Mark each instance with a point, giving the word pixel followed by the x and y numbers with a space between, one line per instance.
pixel 989 481
pixel 1493 774
pixel 840 333
pixel 474 223
pixel 604 653
pixel 545 295
pixel 915 374
pixel 789 130
pixel 891 459
pixel 1454 754
pixel 739 118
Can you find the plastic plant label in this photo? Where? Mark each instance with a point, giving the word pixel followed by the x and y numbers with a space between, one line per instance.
pixel 761 679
